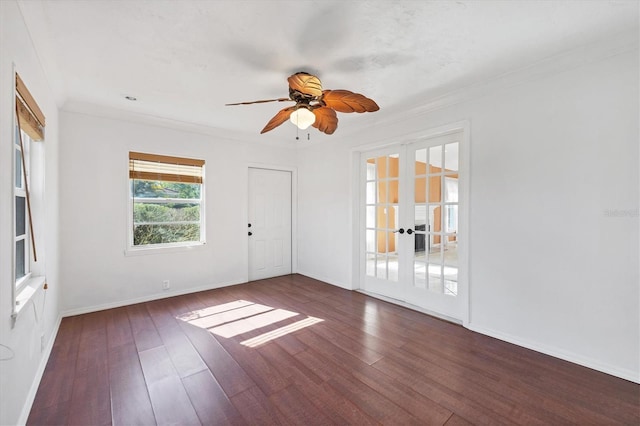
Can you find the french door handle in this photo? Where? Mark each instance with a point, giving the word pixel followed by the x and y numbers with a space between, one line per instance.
pixel 409 231
pixel 401 230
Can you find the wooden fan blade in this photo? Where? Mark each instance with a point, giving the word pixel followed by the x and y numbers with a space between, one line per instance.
pixel 346 101
pixel 326 120
pixel 278 119
pixel 261 102
pixel 305 83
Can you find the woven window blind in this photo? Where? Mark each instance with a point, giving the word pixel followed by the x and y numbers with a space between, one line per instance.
pixel 165 168
pixel 32 120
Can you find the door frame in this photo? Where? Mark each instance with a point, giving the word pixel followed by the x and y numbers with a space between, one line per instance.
pixel 294 212
pixel 359 213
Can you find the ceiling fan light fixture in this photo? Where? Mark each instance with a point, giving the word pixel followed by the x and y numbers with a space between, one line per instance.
pixel 303 118
pixel 315 106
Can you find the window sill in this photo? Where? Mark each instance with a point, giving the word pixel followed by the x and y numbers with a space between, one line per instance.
pixel 143 251
pixel 28 291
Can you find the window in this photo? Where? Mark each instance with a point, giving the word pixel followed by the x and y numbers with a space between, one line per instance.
pixel 29 127
pixel 166 198
pixel 28 167
pixel 22 243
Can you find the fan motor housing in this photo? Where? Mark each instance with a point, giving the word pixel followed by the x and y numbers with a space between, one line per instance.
pixel 300 97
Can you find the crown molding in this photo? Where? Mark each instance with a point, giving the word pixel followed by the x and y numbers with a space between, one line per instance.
pixel 101 111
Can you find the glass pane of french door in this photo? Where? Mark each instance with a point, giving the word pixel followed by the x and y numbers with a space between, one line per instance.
pixel 382 215
pixel 435 217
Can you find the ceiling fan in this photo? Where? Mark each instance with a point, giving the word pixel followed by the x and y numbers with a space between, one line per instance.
pixel 314 106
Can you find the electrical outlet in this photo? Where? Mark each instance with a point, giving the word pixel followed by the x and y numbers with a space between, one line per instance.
pixel 166 285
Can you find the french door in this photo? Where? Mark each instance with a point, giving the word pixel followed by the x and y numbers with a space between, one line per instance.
pixel 414 211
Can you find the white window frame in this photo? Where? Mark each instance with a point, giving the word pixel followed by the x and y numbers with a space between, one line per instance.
pixel 20 191
pixel 132 249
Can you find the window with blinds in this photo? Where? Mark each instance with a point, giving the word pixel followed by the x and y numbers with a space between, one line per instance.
pixel 166 197
pixel 29 127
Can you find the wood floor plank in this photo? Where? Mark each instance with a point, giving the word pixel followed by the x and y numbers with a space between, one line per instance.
pixel 130 403
pixel 52 401
pixel 291 344
pixel 90 398
pixel 456 420
pixel 363 353
pixel 256 409
pixel 209 400
pixel 320 364
pixel 362 324
pixel 144 330
pixel 287 365
pixel 192 359
pixel 336 406
pixel 428 411
pixel 298 409
pixel 452 368
pixel 331 351
pixel 92 347
pixel 440 394
pixel 56 385
pixel 53 414
pixel 184 356
pixel 372 403
pixel 119 328
pixel 261 372
pixel 169 399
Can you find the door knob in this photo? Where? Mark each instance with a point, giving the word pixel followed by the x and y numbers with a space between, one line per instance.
pixel 250 233
pixel 401 230
pixel 409 231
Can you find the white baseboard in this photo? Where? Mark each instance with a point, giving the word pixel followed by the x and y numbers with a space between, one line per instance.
pixel 572 357
pixel 31 396
pixel 149 298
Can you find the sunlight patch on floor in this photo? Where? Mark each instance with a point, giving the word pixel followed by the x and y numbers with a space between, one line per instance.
pixel 239 317
pixel 212 310
pixel 214 320
pixel 271 335
pixel 252 323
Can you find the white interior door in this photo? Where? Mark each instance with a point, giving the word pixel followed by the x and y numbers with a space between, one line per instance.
pixel 413 234
pixel 269 224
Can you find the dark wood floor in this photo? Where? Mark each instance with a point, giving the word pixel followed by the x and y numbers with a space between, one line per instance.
pixel 293 350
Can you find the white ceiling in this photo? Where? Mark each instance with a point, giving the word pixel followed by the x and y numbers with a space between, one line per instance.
pixel 184 59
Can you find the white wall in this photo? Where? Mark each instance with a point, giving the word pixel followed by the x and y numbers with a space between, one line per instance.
pixel 20 375
pixel 94 195
pixel 549 156
pixel 324 225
